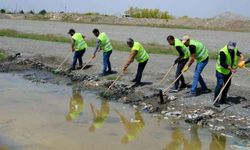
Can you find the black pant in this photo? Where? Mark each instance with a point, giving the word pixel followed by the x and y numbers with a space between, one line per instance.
pixel 221 80
pixel 140 69
pixel 78 56
pixel 180 66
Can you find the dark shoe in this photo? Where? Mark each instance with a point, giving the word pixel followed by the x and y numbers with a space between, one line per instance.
pixel 78 68
pixel 190 95
pixel 183 86
pixel 206 91
pixel 71 69
pixel 217 104
pixel 134 80
pixel 112 72
pixel 223 101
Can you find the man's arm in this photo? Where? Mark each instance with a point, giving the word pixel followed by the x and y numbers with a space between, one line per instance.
pixel 98 43
pixel 192 50
pixel 73 45
pixel 181 54
pixel 131 59
pixel 240 55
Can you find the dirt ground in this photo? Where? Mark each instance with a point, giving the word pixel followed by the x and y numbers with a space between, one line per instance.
pixel 232 118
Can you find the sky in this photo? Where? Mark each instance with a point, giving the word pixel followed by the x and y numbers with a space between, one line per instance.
pixel 191 8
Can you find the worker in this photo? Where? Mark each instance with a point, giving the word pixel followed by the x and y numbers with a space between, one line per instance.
pixel 181 61
pixel 76 106
pixel 140 54
pixel 199 53
pixel 104 44
pixel 225 66
pixel 78 46
pixel 132 127
pixel 99 116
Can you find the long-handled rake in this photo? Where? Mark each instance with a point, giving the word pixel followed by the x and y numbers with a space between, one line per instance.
pixel 165 76
pixel 167 89
pixel 60 66
pixel 217 98
pixel 118 77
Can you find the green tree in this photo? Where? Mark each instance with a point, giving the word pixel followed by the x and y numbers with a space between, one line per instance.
pixel 21 12
pixel 136 12
pixel 31 12
pixel 2 11
pixel 43 12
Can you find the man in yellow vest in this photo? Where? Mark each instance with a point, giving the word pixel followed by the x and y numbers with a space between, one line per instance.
pixel 104 44
pixel 225 66
pixel 181 61
pixel 140 54
pixel 78 47
pixel 199 53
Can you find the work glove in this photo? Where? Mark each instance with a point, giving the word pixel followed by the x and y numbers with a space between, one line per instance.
pixel 241 64
pixel 185 69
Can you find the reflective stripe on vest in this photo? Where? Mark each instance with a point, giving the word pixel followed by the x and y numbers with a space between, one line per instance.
pixel 183 48
pixel 201 52
pixel 80 44
pixel 105 42
pixel 142 54
pixel 229 62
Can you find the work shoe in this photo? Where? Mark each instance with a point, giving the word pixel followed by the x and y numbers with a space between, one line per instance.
pixel 134 80
pixel 217 104
pixel 206 91
pixel 78 68
pixel 183 86
pixel 112 72
pixel 223 101
pixel 190 94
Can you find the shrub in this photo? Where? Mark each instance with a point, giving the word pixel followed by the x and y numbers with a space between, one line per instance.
pixel 2 11
pixel 43 12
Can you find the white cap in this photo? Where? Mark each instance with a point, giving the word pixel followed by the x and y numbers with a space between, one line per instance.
pixel 185 38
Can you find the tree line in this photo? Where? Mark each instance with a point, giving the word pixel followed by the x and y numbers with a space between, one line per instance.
pixel 42 12
pixel 136 12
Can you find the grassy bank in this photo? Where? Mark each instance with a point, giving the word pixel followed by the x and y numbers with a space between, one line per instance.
pixel 117 45
pixel 2 56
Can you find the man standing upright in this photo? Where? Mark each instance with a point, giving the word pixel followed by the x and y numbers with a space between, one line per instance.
pixel 103 43
pixel 78 47
pixel 199 53
pixel 140 54
pixel 225 66
pixel 181 61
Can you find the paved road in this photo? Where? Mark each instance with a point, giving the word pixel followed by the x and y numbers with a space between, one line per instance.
pixel 213 39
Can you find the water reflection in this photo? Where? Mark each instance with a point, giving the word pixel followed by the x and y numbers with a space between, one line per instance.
pixel 132 128
pixel 178 139
pixel 218 142
pixel 99 116
pixel 3 147
pixel 76 105
pixel 194 143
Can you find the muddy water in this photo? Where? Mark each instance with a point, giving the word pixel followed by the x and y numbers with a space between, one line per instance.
pixel 46 116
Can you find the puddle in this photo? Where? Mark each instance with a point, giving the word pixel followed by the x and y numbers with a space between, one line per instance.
pixel 48 116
